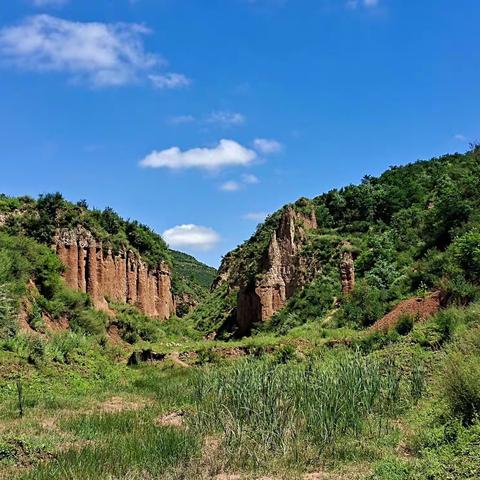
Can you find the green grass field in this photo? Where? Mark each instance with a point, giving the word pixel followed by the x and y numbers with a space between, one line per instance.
pixel 398 407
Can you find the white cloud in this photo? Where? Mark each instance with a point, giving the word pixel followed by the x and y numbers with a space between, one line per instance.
pixel 250 179
pixel 49 3
pixel 226 118
pixel 100 54
pixel 230 186
pixel 460 137
pixel 169 81
pixel 226 153
pixel 191 236
pixel 353 4
pixel 255 216
pixel 181 119
pixel 267 146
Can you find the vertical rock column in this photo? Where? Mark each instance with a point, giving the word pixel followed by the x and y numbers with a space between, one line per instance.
pixel 164 304
pixel 347 269
pixel 92 271
pixel 123 277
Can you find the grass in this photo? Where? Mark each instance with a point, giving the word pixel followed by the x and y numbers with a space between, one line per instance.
pixel 300 411
pixel 331 401
pixel 144 451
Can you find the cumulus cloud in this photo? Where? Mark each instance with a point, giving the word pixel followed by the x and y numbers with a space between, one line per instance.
pixel 267 146
pixel 250 179
pixel 255 216
pixel 100 54
pixel 226 153
pixel 169 81
pixel 230 186
pixel 191 236
pixel 226 119
pixel 460 137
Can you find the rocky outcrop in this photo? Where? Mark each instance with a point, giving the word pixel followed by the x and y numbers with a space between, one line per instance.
pixel 347 269
pixel 120 277
pixel 284 271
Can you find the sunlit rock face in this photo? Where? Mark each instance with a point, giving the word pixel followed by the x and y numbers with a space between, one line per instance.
pixel 121 277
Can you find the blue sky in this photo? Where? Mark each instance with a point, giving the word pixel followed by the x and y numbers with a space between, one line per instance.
pixel 196 117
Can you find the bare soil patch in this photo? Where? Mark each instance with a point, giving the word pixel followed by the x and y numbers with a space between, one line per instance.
pixel 420 308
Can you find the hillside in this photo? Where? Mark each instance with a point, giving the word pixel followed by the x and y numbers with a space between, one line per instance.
pixel 112 259
pixel 355 251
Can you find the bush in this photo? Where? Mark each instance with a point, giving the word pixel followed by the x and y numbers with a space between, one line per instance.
pixel 458 291
pixel 90 322
pixel 405 324
pixel 63 346
pixel 447 321
pixel 364 306
pixel 8 323
pixel 461 377
pixel 134 325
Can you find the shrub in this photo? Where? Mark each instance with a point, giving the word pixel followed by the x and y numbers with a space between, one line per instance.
pixel 461 377
pixel 447 321
pixel 404 325
pixel 8 323
pixel 90 322
pixel 458 291
pixel 63 345
pixel 364 306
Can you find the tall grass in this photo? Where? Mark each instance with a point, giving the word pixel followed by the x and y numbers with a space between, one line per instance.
pixel 127 446
pixel 266 409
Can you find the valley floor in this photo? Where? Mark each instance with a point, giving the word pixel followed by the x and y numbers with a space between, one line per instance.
pixel 362 406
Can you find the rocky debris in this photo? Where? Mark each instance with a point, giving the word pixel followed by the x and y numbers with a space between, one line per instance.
pixel 122 277
pixel 347 269
pixel 285 270
pixel 420 308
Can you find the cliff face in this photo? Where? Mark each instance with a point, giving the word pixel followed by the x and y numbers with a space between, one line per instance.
pixel 283 271
pixel 122 277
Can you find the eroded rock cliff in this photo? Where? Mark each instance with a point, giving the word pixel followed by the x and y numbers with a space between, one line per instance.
pixel 282 270
pixel 120 277
pixel 347 269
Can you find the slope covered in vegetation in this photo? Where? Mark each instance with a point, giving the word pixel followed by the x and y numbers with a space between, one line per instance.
pixel 413 229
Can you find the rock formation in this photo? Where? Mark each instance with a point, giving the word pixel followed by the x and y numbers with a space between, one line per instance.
pixel 284 271
pixel 347 269
pixel 121 277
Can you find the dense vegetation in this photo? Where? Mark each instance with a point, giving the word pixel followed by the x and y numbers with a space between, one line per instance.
pixel 413 229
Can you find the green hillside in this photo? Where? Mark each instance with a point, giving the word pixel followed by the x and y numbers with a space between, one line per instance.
pixel 40 219
pixel 410 230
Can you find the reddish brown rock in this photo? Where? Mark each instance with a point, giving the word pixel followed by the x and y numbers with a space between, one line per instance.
pixel 122 277
pixel 285 270
pixel 347 269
